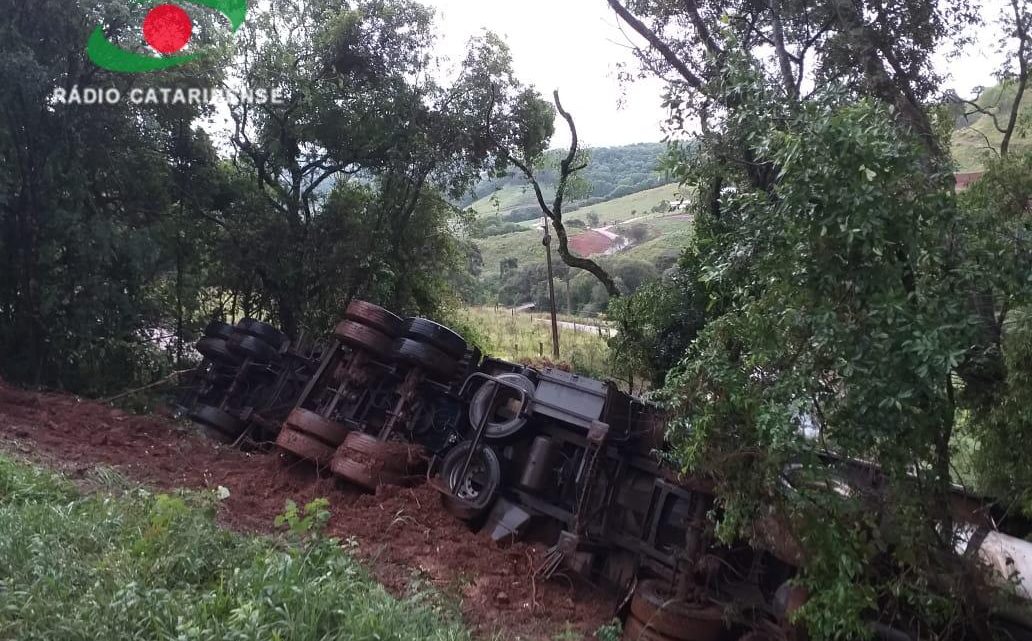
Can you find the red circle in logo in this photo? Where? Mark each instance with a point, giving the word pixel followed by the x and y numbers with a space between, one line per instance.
pixel 167 28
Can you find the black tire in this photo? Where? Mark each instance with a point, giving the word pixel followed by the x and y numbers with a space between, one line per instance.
pixel 483 480
pixel 264 331
pixel 376 317
pixel 216 349
pixel 444 339
pixel 363 474
pixel 256 349
pixel 304 446
pixel 368 445
pixel 218 329
pixel 655 606
pixel 223 422
pixel 430 359
pixel 404 458
pixel 308 422
pixel 358 336
pixel 500 429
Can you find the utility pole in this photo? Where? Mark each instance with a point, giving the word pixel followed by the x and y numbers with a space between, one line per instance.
pixel 547 242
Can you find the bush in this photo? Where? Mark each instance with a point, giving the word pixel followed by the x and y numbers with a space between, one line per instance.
pixel 134 565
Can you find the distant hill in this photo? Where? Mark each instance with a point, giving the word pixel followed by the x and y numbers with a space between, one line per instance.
pixel 969 137
pixel 613 172
pixel 630 197
pixel 660 210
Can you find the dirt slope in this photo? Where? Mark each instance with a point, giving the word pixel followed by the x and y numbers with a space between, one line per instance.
pixel 402 533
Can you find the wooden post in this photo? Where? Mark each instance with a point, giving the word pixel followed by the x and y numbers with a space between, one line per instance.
pixel 547 242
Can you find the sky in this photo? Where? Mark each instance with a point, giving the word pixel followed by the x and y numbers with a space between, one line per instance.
pixel 576 46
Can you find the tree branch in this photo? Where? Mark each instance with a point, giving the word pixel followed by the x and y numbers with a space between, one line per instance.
pixel 1021 28
pixel 689 76
pixel 779 46
pixel 700 26
pixel 555 212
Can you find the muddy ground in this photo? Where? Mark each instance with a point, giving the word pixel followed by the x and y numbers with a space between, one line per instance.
pixel 402 533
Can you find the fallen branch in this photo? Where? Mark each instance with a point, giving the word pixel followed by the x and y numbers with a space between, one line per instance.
pixel 146 387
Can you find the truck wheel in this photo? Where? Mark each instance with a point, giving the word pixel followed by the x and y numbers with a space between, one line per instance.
pixel 222 425
pixel 264 331
pixel 482 482
pixel 655 606
pixel 216 349
pixel 444 339
pixel 504 420
pixel 330 432
pixel 358 336
pixel 376 317
pixel 218 329
pixel 247 346
pixel 304 446
pixel 405 458
pixel 426 357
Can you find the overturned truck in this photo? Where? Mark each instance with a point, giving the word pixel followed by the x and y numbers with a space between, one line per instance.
pixel 518 452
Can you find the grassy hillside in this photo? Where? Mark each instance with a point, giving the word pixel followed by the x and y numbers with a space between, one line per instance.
pixel 969 138
pixel 611 173
pixel 526 246
pixel 639 204
pixel 518 336
pixel 505 199
pixel 668 236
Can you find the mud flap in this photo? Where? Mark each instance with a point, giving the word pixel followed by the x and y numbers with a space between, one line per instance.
pixel 507 521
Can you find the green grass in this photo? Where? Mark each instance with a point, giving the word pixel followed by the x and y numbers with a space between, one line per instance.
pixel 628 207
pixel 529 336
pixel 504 200
pixel 526 247
pixel 122 563
pixel 612 211
pixel 969 143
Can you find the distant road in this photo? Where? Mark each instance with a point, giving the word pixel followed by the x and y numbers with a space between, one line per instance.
pixel 582 327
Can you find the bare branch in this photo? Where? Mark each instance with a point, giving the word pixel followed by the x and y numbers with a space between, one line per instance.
pixel 657 43
pixel 555 212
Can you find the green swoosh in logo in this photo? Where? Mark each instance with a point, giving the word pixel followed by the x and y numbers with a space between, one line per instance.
pixel 106 54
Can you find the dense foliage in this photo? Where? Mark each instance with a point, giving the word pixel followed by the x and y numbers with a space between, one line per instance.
pixel 839 302
pixel 123 228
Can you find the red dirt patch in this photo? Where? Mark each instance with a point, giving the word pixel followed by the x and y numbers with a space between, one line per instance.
pixel 590 243
pixel 403 533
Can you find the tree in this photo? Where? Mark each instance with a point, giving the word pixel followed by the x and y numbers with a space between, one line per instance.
pixel 513 148
pixel 361 101
pixel 637 232
pixel 85 195
pixel 1018 26
pixel 845 295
